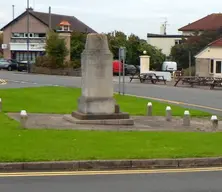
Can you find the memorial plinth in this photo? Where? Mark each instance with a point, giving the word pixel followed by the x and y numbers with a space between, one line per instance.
pixel 96 101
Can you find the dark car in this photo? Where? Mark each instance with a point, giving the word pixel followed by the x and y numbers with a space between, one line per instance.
pixel 130 69
pixel 8 64
pixel 23 65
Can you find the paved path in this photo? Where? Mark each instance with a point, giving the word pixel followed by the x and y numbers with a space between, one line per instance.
pixel 209 98
pixel 153 182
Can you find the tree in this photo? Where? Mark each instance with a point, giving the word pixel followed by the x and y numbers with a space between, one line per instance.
pixel 56 49
pixel 116 39
pixel 78 40
pixel 134 47
pixel 193 44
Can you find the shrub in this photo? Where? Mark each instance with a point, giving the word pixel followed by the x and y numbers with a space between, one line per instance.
pixel 187 73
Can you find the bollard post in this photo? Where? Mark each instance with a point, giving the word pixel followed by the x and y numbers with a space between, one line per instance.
pixel 214 122
pixel 23 118
pixel 0 105
pixel 149 109
pixel 186 118
pixel 168 113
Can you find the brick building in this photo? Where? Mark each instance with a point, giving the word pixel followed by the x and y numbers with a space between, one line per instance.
pixel 15 33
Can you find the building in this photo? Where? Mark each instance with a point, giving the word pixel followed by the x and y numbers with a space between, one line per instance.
pixel 15 36
pixel 209 60
pixel 211 22
pixel 164 42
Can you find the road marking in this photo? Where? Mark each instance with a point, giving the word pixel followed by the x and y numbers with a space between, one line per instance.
pixel 174 102
pixel 119 172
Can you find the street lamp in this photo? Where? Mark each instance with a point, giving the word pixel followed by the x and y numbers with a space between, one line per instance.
pixel 28 58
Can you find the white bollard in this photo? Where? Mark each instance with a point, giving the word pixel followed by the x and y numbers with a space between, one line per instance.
pixel 23 118
pixel 0 105
pixel 149 109
pixel 168 113
pixel 214 122
pixel 186 118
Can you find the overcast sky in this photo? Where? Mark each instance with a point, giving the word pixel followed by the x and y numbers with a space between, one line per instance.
pixel 130 16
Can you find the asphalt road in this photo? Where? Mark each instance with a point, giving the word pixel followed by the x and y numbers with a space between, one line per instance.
pixel 209 98
pixel 164 182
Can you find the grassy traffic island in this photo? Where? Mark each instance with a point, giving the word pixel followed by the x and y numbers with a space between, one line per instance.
pixel 22 145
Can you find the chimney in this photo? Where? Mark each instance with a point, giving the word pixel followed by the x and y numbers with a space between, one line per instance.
pixel 162 29
pixel 50 19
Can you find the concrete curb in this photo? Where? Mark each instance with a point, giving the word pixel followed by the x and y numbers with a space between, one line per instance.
pixel 112 164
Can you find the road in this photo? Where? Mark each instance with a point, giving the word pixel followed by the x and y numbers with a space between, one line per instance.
pixel 210 99
pixel 152 182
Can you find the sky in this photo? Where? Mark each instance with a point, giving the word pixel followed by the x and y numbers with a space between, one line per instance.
pixel 129 16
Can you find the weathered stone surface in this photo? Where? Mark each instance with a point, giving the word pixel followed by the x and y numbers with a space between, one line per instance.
pixel 200 162
pixel 154 163
pixel 97 77
pixel 112 164
pixel 65 165
pixel 11 166
pixel 99 119
pixel 105 165
pixel 37 166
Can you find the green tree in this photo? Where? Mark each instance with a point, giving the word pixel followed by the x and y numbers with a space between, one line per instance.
pixel 134 47
pixel 56 49
pixel 116 39
pixel 78 41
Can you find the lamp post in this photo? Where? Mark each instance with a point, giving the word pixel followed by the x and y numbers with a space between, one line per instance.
pixel 28 57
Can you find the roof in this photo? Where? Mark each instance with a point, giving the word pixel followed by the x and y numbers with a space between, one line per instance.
pixel 208 23
pixel 164 36
pixel 217 43
pixel 56 19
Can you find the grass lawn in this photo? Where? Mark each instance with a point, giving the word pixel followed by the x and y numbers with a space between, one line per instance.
pixel 38 145
pixel 64 100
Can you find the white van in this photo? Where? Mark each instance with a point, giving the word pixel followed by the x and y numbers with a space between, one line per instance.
pixel 169 66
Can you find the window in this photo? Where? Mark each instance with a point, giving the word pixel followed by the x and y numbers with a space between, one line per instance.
pixel 66 28
pixel 31 35
pixel 178 42
pixel 17 35
pixel 218 66
pixel 211 66
pixel 42 35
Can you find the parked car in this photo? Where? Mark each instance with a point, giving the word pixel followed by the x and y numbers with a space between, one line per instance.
pixel 23 65
pixel 130 69
pixel 8 64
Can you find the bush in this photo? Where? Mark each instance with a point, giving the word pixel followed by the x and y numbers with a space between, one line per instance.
pixel 187 73
pixel 46 61
pixel 49 62
pixel 56 49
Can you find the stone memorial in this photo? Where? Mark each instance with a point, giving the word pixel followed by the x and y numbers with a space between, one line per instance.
pixel 96 101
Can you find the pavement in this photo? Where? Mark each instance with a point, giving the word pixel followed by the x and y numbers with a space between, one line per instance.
pixel 161 181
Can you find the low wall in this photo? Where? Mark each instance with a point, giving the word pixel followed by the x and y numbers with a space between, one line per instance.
pixel 48 71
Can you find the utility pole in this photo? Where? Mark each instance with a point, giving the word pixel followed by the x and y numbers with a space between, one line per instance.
pixel 189 63
pixel 28 56
pixel 13 12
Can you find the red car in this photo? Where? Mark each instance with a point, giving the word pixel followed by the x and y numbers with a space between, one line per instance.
pixel 117 66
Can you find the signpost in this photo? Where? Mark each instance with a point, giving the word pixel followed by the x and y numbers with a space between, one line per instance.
pixel 122 58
